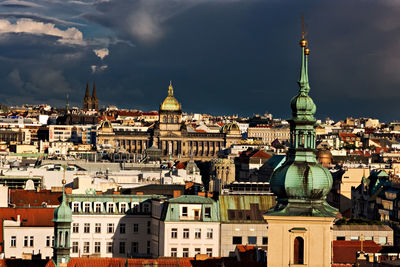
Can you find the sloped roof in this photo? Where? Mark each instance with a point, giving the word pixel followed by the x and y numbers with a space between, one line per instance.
pixel 29 217
pixel 192 199
pixel 21 197
pixel 345 251
pixel 243 202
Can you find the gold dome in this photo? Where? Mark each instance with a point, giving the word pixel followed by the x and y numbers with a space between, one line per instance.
pixel 303 43
pixel 170 103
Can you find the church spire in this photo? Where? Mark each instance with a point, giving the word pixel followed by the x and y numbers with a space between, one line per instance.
pixel 87 93
pixel 170 89
pixel 94 94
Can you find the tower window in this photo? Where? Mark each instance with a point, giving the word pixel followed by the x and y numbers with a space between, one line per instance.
pixel 298 250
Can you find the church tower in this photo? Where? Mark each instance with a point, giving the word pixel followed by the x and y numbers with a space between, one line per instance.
pixel 300 225
pixel 62 231
pixel 95 101
pixel 87 100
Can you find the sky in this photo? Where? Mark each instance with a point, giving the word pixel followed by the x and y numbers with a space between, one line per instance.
pixel 223 56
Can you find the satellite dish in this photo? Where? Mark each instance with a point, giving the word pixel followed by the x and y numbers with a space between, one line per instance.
pixel 29 185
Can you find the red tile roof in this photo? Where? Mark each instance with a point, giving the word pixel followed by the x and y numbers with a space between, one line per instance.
pixel 244 248
pixel 120 262
pixel 346 251
pixel 25 198
pixel 29 217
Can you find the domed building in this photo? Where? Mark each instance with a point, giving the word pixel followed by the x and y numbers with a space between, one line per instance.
pixel 175 140
pixel 170 135
pixel 301 218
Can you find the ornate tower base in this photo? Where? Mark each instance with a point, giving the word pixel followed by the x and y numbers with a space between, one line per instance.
pixel 299 241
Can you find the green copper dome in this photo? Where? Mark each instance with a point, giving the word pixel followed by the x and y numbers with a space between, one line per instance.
pixel 301 184
pixel 63 213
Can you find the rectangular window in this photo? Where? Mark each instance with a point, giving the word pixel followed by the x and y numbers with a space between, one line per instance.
pixel 209 233
pixel 26 241
pixel 74 247
pixel 366 238
pixel 237 240
pixel 134 247
pixel 135 227
pixel 186 233
pixel 197 251
pixel 86 207
pixel 207 212
pixel 148 227
pixel 97 207
pixel 97 247
pixel 75 207
pixel 185 252
pixel 184 211
pixel 354 237
pixel 110 207
pixel 252 240
pixel 122 228
pixel 109 247
pixel 197 233
pixel 86 247
pixel 121 247
pixel 48 240
pixel 174 233
pixel 13 241
pixel 86 228
pixel 148 247
pixel 110 228
pixel 97 228
pixel 174 252
pixel 340 238
pixel 31 241
pixel 265 240
pixel 75 227
pixel 52 241
pixel 122 207
pixel 209 252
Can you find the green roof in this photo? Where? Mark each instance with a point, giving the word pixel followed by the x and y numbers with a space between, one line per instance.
pixel 191 199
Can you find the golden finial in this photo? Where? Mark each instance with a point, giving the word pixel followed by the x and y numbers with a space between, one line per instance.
pixel 63 180
pixel 303 42
pixel 307 51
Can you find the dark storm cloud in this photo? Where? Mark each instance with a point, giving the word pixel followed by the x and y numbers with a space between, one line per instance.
pixel 37 17
pixel 224 57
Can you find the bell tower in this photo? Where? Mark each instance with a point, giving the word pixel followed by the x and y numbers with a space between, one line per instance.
pixel 300 225
pixel 62 231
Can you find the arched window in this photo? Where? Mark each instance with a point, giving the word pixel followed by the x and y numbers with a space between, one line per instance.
pixel 164 119
pixel 60 239
pixel 298 250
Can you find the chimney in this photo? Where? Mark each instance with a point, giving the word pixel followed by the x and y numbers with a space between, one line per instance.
pixel 176 193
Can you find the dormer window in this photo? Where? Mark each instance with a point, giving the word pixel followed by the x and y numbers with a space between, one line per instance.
pixel 110 207
pixel 146 208
pixel 135 206
pixel 97 207
pixel 86 207
pixel 184 211
pixel 207 212
pixel 75 206
pixel 122 207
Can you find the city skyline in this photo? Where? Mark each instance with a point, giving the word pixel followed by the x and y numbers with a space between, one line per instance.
pixel 240 60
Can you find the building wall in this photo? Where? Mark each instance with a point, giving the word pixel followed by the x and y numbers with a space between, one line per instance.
pixel 268 134
pixel 190 243
pixel 243 230
pixel 141 236
pixel 384 238
pixel 39 234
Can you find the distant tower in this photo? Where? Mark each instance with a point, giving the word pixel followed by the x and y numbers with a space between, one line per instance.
pixel 87 100
pixel 62 231
pixel 300 225
pixel 95 101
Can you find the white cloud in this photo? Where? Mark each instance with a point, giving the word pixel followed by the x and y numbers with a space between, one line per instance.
pixel 98 68
pixel 69 36
pixel 19 3
pixel 101 53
